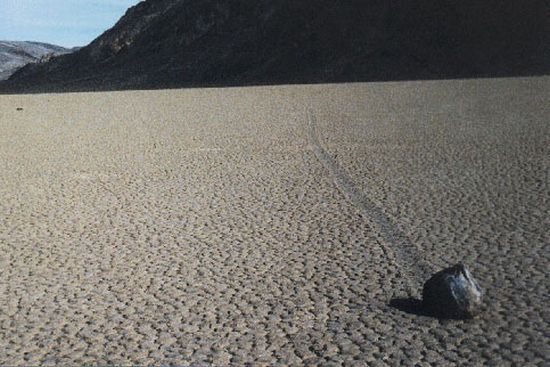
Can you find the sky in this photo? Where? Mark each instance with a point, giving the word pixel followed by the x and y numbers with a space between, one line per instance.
pixel 66 23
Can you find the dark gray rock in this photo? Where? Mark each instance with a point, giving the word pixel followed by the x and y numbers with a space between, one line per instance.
pixel 453 293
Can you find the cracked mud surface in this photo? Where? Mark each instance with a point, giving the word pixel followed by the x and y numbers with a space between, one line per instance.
pixel 200 227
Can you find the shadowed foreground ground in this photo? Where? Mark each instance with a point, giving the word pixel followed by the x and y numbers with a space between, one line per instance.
pixel 273 225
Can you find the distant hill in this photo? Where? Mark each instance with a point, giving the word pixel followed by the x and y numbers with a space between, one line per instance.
pixel 179 43
pixel 15 54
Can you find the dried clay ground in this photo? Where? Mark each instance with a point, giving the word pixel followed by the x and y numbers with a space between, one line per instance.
pixel 266 226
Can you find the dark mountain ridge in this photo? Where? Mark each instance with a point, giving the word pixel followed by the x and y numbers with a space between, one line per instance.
pixel 183 43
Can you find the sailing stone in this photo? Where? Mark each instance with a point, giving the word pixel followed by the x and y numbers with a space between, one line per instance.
pixel 453 293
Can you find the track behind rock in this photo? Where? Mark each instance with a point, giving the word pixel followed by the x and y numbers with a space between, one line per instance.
pixel 408 255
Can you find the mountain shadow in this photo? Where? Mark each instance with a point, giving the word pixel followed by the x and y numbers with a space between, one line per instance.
pixel 202 43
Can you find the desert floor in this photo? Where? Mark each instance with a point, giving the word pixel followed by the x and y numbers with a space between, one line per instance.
pixel 285 225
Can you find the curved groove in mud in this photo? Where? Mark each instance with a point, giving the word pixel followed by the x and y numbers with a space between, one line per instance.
pixel 406 253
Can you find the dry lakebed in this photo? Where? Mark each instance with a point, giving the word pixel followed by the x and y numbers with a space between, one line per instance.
pixel 274 226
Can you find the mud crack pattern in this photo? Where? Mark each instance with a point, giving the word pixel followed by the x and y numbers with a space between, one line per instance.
pixel 198 227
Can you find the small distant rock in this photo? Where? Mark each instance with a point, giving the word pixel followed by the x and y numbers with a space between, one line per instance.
pixel 19 108
pixel 453 293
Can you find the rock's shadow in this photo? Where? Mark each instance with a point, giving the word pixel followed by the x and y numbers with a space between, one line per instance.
pixel 410 305
pixel 416 307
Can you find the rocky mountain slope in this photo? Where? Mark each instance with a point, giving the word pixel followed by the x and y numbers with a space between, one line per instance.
pixel 15 54
pixel 175 43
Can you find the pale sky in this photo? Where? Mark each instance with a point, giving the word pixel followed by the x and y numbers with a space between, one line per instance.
pixel 66 23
